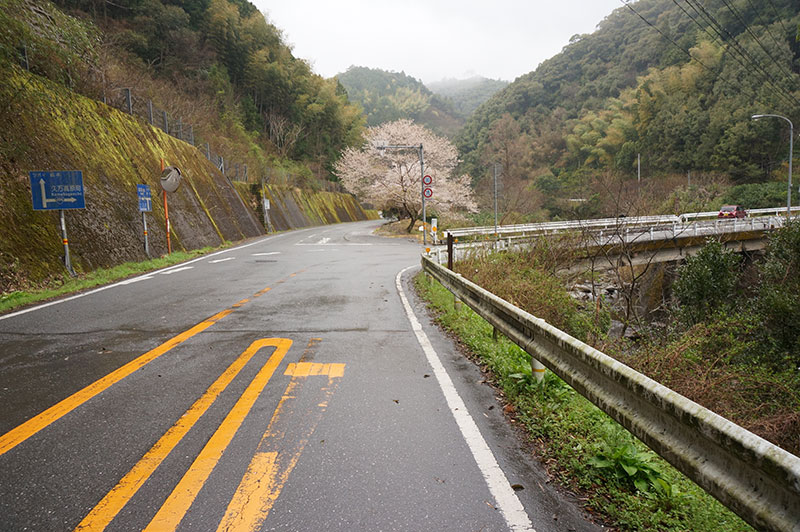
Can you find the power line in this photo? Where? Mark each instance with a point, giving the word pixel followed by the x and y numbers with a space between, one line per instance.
pixel 716 40
pixel 766 23
pixel 747 28
pixel 777 16
pixel 734 46
pixel 735 51
pixel 678 46
pixel 687 52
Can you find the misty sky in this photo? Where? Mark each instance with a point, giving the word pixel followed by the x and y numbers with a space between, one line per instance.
pixel 433 39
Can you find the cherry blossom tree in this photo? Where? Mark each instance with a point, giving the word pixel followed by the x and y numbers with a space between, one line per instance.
pixel 390 179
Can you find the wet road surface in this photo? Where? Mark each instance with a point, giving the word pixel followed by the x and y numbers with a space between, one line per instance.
pixel 294 383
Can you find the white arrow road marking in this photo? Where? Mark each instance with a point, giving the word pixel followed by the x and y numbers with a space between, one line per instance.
pixel 221 260
pixel 170 272
pixel 507 501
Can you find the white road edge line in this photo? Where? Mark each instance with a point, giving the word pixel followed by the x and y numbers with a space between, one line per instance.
pixel 507 501
pixel 134 279
pixel 176 270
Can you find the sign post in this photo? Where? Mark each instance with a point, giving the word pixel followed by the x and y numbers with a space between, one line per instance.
pixel 58 191
pixel 427 193
pixel 145 205
pixel 265 208
pixel 170 181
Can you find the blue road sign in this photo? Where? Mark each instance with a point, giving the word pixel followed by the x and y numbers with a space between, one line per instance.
pixel 143 192
pixel 57 190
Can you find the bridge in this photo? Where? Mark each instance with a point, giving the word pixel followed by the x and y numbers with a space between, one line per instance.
pixel 609 242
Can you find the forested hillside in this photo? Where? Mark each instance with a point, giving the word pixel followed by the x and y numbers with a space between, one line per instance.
pixel 217 65
pixel 388 96
pixel 466 95
pixel 676 82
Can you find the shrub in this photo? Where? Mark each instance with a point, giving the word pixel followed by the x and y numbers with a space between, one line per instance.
pixel 706 284
pixel 779 295
pixel 757 195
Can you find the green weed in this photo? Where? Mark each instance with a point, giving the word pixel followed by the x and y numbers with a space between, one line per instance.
pixel 59 286
pixel 623 483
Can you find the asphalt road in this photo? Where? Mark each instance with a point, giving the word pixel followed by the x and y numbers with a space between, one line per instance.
pixel 293 383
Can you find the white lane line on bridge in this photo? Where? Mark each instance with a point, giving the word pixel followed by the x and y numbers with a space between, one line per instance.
pixel 507 501
pixel 176 270
pixel 221 260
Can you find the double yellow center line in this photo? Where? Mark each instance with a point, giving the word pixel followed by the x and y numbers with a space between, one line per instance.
pixel 269 469
pixel 118 497
pixel 27 429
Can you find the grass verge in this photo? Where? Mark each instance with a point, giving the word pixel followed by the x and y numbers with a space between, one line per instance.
pixel 68 285
pixel 619 479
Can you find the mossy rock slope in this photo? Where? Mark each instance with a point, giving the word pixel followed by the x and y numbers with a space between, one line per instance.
pixel 46 127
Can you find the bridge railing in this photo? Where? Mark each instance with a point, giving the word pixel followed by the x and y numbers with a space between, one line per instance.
pixel 602 224
pixel 772 211
pixel 548 227
pixel 666 228
pixel 754 478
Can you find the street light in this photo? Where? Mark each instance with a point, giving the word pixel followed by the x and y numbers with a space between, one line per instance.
pixel 791 142
pixel 381 147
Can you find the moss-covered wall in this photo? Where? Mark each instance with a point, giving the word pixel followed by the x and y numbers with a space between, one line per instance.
pixel 292 208
pixel 45 127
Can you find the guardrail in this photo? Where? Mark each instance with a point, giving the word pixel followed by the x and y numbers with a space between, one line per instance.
pixel 600 224
pixel 772 211
pixel 754 478
pixel 602 235
pixel 546 227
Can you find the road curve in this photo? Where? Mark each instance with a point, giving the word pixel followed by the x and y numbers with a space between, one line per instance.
pixel 292 383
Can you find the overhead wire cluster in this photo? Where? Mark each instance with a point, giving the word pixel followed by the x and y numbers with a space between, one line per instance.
pixel 711 26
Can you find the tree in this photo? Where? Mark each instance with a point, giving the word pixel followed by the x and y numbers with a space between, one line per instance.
pixel 510 148
pixel 391 180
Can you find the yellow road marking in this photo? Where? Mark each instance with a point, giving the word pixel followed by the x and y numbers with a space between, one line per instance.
pixel 22 432
pixel 27 429
pixel 269 470
pixel 184 494
pixel 108 508
pixel 306 369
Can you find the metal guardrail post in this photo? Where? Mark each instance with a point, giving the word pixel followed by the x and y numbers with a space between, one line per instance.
pixel 757 480
pixel 449 251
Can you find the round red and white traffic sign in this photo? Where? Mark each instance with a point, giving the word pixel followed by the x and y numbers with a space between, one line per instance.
pixel 427 180
pixel 427 192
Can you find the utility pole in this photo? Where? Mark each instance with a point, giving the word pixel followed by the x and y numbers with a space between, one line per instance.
pixel 422 195
pixel 791 142
pixel 496 237
pixel 638 167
